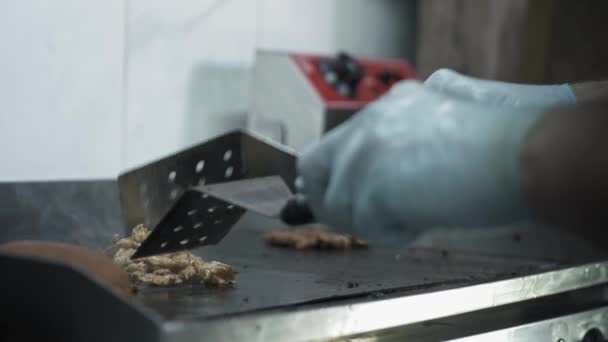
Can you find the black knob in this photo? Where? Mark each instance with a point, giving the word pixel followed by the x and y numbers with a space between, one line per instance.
pixel 297 212
pixel 594 335
pixel 388 77
pixel 343 72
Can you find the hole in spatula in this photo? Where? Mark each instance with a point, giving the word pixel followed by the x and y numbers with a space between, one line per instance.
pixel 184 242
pixel 197 225
pixel 199 166
pixel 228 172
pixel 172 176
pixel 164 244
pixel 177 229
pixel 227 155
pixel 202 239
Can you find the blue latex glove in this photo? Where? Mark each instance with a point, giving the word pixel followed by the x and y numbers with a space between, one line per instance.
pixel 488 92
pixel 415 159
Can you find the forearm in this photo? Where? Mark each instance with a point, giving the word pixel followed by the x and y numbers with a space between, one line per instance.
pixel 564 168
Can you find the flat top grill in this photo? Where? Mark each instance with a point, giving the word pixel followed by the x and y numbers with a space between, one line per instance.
pixel 88 213
pixel 270 278
pixel 273 277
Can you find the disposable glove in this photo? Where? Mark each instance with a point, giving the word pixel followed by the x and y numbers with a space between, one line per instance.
pixel 417 159
pixel 488 92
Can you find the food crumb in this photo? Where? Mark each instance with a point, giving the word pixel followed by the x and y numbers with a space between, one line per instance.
pixel 352 284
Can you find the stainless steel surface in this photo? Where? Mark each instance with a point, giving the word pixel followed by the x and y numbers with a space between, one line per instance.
pixel 264 195
pixel 285 107
pixel 195 220
pixel 164 194
pixel 81 212
pixel 148 192
pixel 341 320
pixel 578 327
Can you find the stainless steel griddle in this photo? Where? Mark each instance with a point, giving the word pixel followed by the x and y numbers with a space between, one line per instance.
pixel 379 294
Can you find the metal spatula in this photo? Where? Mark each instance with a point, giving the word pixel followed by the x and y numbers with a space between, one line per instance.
pixel 269 196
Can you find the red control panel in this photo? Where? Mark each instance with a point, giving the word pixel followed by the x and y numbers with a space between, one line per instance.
pixel 344 82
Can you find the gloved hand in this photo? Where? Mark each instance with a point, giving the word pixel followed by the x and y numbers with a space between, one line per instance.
pixel 416 159
pixel 488 92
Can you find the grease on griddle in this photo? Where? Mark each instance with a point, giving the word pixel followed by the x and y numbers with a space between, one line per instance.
pixel 352 284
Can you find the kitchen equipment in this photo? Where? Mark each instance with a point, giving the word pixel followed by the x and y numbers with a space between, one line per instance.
pixel 166 194
pixel 298 97
pixel 267 196
pixel 520 291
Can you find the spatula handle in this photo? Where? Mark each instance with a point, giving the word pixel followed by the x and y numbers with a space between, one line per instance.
pixel 297 212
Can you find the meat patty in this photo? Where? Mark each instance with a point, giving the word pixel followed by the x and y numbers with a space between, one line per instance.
pixel 314 237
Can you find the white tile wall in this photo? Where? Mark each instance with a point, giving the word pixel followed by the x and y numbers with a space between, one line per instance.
pixel 60 88
pixel 186 72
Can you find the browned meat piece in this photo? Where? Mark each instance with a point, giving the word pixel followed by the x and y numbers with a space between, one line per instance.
pixel 88 260
pixel 168 269
pixel 313 238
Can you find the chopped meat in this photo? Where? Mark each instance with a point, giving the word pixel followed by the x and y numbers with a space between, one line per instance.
pixel 313 238
pixel 167 269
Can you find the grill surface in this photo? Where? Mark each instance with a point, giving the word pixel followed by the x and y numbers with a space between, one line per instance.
pixel 88 213
pixel 274 277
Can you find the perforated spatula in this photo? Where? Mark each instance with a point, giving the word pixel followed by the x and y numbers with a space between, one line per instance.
pixel 269 196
